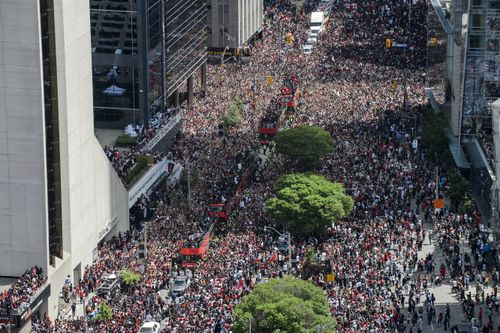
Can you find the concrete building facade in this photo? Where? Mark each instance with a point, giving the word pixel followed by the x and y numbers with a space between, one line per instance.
pixel 59 194
pixel 232 23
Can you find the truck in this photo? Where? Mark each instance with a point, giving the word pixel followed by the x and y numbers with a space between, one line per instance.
pixel 318 21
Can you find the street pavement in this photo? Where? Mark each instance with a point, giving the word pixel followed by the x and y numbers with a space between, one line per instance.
pixel 444 295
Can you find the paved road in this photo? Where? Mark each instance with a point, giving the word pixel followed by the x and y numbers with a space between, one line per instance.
pixel 444 296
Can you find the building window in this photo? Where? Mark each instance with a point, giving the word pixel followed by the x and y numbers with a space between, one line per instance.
pixel 476 42
pixel 51 116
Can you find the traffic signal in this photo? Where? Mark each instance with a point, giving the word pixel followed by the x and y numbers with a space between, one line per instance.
pixel 388 43
pixel 221 129
pixel 269 80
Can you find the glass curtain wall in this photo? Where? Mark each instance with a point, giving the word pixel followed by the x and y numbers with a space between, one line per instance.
pixel 482 66
pixel 185 40
pixel 114 32
pixel 142 52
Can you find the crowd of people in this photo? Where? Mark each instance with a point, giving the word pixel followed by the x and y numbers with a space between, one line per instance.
pixel 124 159
pixel 17 298
pixel 381 284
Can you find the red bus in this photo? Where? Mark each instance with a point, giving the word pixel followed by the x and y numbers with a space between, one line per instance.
pixel 194 249
pixel 268 128
pixel 219 210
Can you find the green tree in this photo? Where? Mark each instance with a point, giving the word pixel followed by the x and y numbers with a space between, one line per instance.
pixel 434 138
pixel 459 187
pixel 105 311
pixel 467 205
pixel 130 278
pixel 284 305
pixel 308 203
pixel 233 116
pixel 305 145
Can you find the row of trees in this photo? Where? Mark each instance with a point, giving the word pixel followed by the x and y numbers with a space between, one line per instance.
pixel 305 204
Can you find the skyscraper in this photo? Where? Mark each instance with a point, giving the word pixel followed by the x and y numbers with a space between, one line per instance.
pixel 142 53
pixel 59 195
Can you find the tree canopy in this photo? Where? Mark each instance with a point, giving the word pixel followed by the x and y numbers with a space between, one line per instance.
pixel 105 311
pixel 130 278
pixel 308 203
pixel 284 305
pixel 434 137
pixel 233 116
pixel 305 145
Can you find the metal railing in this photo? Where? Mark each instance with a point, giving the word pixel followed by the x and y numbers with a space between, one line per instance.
pixel 162 132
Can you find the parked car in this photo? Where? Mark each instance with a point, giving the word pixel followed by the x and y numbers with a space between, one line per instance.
pixel 180 284
pixel 150 327
pixel 307 49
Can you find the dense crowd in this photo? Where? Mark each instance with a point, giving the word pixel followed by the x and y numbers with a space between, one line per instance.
pixel 124 159
pixel 381 283
pixel 17 298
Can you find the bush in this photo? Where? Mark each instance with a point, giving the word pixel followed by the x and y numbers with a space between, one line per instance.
pixel 136 171
pixel 233 116
pixel 125 140
pixel 130 278
pixel 105 311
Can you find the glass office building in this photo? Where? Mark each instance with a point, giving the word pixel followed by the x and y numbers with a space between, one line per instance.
pixel 142 52
pixel 481 85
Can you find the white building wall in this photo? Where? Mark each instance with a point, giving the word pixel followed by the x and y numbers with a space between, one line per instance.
pixel 93 195
pixel 23 215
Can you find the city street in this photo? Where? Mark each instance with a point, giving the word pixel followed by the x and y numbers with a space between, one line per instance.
pixel 314 189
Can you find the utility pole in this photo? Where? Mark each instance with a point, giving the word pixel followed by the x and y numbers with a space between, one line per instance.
pixel 289 244
pixel 289 253
pixel 188 165
pixel 437 182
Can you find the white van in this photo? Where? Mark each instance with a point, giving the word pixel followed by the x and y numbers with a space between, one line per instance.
pixel 317 21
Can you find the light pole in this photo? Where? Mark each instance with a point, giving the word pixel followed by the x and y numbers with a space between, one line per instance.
pixel 289 243
pixel 229 37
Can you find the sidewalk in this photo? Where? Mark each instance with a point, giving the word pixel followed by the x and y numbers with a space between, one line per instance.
pixel 444 296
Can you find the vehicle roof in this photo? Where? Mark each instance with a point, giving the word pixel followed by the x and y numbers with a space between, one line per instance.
pixel 317 16
pixel 150 324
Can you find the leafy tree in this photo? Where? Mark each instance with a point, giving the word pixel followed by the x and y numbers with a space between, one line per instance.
pixel 459 187
pixel 233 116
pixel 308 203
pixel 284 305
pixel 130 278
pixel 434 137
pixel 306 145
pixel 467 205
pixel 105 311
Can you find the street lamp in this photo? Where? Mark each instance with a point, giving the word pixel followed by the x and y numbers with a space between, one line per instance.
pixel 289 245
